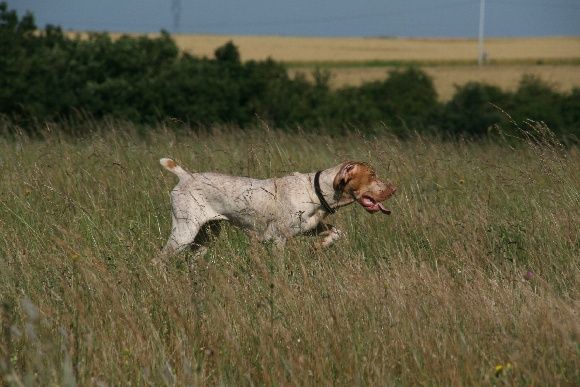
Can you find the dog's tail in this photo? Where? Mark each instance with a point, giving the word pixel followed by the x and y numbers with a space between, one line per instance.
pixel 172 166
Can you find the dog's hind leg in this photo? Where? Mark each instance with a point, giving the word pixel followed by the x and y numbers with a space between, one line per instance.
pixel 188 216
pixel 183 234
pixel 184 229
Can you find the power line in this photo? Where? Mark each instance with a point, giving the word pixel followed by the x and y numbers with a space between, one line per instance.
pixel 481 57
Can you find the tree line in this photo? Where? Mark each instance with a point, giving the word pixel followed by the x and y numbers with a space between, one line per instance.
pixel 47 76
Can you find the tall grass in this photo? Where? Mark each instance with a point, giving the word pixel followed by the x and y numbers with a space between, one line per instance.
pixel 472 280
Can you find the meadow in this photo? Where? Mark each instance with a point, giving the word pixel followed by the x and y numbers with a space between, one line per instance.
pixel 473 280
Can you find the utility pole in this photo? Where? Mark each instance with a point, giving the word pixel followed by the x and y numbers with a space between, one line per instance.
pixel 176 9
pixel 482 56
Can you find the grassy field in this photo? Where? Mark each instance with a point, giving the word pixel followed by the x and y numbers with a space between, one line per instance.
pixel 472 280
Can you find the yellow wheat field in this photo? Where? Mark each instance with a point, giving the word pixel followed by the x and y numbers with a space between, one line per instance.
pixel 306 49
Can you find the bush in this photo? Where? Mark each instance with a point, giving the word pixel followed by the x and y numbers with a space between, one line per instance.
pixel 473 110
pixel 535 99
pixel 571 116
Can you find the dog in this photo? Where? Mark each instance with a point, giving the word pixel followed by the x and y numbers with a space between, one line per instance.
pixel 269 210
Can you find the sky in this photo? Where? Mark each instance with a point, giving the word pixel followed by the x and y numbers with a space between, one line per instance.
pixel 413 18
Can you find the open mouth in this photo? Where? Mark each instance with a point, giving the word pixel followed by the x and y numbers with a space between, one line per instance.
pixel 372 206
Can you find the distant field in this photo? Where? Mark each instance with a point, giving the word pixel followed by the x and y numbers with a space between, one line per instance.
pixel 449 61
pixel 296 50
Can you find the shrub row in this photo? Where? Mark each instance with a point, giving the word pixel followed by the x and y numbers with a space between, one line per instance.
pixel 47 76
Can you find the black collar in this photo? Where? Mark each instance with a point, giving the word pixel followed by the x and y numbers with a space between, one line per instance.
pixel 323 201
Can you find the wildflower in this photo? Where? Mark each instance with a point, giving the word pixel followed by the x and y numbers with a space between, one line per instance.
pixel 501 369
pixel 529 275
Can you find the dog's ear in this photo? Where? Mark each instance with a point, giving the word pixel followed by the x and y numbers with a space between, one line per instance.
pixel 343 176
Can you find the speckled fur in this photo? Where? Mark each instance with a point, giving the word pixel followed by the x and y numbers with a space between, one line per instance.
pixel 269 210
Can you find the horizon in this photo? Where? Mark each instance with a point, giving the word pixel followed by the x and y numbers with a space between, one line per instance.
pixel 385 37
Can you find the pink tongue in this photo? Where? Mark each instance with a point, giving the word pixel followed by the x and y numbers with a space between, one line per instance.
pixel 367 202
pixel 375 206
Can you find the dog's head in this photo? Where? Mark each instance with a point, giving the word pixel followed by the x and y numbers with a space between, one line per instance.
pixel 357 181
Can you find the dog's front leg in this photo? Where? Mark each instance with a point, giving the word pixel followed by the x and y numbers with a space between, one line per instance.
pixel 331 236
pixel 329 233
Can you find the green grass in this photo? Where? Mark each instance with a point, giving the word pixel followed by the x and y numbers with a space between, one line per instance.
pixel 434 294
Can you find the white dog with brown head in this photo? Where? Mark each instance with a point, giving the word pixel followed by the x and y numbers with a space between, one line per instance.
pixel 272 209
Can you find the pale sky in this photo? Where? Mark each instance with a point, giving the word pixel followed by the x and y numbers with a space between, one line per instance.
pixel 429 18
